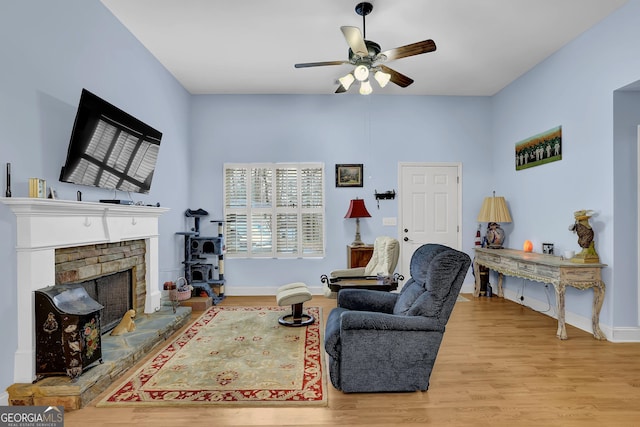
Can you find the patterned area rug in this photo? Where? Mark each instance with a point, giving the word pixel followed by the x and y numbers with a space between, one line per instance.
pixel 232 356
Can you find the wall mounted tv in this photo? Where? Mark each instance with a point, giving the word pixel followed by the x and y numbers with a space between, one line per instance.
pixel 110 148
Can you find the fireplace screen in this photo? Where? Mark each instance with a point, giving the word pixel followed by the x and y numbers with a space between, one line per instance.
pixel 114 292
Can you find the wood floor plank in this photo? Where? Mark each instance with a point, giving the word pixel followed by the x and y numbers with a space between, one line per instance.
pixel 500 364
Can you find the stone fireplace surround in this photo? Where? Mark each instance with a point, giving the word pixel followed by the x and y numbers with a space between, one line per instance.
pixel 44 225
pixel 96 268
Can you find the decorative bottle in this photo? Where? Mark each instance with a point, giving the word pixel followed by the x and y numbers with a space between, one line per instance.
pixel 7 193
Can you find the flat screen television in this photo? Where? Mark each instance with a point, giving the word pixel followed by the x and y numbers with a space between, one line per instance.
pixel 110 148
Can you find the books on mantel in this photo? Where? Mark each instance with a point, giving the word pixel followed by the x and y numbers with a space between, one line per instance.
pixel 37 188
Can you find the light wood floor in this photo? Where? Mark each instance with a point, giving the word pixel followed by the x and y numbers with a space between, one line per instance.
pixel 500 364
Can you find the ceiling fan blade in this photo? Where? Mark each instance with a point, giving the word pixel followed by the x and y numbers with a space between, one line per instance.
pixel 418 48
pixel 341 89
pixel 355 40
pixel 396 77
pixel 319 64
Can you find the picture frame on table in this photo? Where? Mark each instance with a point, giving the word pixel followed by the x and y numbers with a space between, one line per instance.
pixel 349 175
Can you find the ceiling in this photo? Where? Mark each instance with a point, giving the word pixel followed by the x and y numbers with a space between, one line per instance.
pixel 250 46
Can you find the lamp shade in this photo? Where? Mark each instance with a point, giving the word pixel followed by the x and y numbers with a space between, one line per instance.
pixel 346 81
pixel 361 73
pixel 357 209
pixel 494 209
pixel 382 78
pixel 365 88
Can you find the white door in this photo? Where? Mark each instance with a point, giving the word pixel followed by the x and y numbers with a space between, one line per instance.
pixel 429 208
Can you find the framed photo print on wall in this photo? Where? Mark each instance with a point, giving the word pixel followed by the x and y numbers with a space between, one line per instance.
pixel 349 175
pixel 545 147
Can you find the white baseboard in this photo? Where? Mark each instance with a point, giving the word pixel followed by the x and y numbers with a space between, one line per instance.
pixel 620 334
pixel 468 287
pixel 623 334
pixel 4 399
pixel 245 291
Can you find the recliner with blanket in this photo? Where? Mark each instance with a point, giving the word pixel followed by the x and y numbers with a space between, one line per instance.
pixel 381 342
pixel 384 260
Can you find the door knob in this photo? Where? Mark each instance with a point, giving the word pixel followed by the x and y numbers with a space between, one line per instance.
pixel 406 239
pixel 406 230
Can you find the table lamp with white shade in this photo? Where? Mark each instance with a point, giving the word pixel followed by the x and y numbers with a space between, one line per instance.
pixel 494 211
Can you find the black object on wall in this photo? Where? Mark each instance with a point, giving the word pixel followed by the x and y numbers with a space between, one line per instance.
pixel 7 193
pixel 110 148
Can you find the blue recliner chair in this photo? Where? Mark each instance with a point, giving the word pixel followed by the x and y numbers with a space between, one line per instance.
pixel 382 342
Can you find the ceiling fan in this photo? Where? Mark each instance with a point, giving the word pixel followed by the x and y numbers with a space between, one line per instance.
pixel 367 57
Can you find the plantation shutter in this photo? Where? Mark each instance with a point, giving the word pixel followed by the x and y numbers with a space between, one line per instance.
pixel 235 202
pixel 274 210
pixel 261 190
pixel 312 201
pixel 287 210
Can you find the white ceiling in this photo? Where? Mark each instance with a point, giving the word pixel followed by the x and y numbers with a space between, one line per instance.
pixel 250 46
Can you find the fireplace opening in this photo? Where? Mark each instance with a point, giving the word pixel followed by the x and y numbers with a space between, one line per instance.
pixel 114 292
pixel 113 274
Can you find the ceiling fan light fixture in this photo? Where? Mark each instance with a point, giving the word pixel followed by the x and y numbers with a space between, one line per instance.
pixel 366 56
pixel 382 78
pixel 346 81
pixel 361 73
pixel 365 88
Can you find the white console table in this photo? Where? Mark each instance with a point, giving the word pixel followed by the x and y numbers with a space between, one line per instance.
pixel 546 269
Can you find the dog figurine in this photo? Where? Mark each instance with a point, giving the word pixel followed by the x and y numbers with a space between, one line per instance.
pixel 127 324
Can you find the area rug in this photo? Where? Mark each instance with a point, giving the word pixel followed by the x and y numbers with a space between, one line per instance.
pixel 232 356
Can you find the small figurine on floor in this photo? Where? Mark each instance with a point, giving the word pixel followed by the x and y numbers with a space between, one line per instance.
pixel 585 237
pixel 127 324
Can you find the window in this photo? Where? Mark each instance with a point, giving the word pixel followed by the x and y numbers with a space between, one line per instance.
pixel 274 209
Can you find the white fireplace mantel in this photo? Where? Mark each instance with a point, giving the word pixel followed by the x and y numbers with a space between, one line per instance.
pixel 43 225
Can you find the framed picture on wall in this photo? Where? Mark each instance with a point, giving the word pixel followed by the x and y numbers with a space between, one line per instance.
pixel 349 175
pixel 545 147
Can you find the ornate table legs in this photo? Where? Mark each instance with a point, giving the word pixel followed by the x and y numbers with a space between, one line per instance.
pixel 598 299
pixel 476 273
pixel 500 292
pixel 562 329
pixel 476 289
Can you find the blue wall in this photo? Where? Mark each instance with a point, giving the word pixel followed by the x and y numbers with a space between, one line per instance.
pixel 378 131
pixel 624 295
pixel 51 50
pixel 575 88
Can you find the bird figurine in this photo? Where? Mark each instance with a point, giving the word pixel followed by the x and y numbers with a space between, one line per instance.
pixel 585 234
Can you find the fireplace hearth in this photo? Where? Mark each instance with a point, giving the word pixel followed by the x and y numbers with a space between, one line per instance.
pixel 119 353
